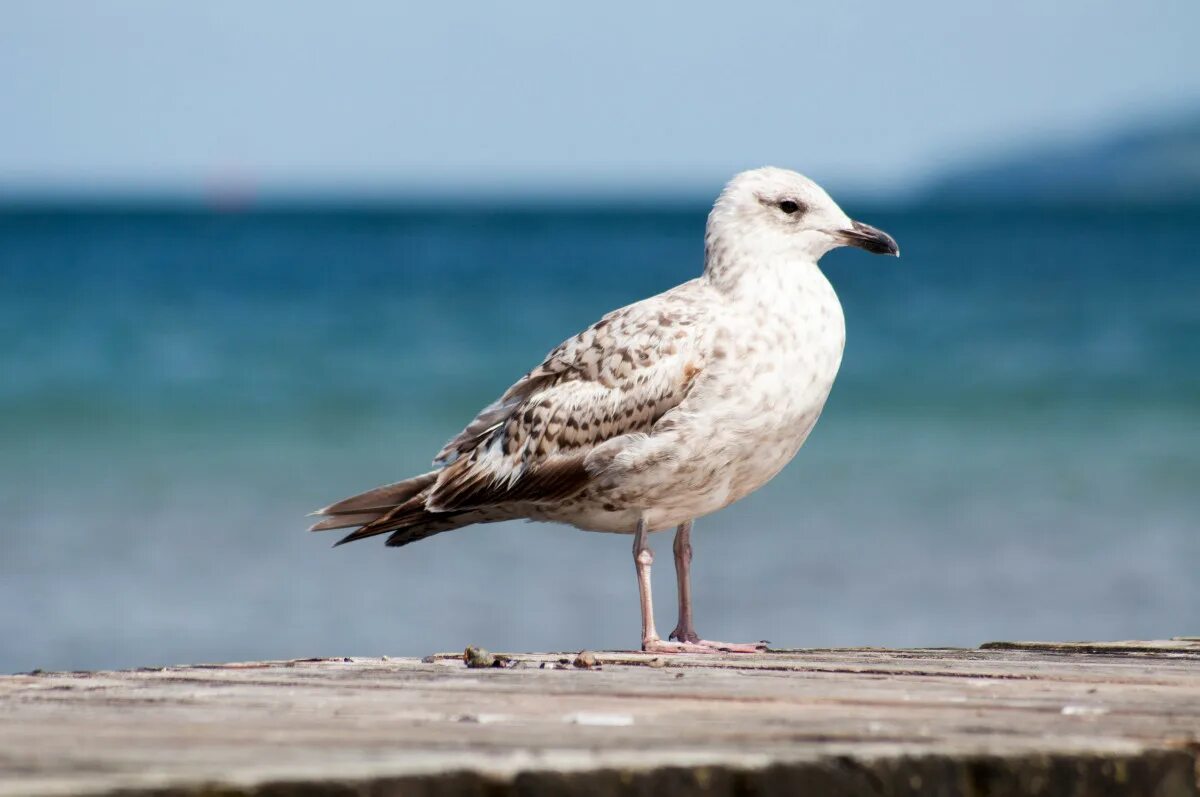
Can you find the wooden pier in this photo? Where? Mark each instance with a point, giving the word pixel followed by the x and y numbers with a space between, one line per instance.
pixel 1005 719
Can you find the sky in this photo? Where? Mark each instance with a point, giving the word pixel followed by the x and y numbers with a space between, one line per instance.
pixel 382 97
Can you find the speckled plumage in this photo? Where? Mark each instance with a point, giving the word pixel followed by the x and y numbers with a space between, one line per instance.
pixel 665 410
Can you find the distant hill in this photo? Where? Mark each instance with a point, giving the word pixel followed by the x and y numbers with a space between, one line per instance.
pixel 1159 163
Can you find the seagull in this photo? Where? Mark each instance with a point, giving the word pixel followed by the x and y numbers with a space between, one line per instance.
pixel 662 411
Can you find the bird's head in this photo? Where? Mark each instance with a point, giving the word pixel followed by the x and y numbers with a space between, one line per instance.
pixel 781 211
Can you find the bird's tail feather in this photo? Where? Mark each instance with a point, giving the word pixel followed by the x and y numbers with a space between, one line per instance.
pixel 345 521
pixel 399 509
pixel 381 499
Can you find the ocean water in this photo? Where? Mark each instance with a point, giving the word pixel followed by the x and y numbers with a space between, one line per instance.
pixel 1012 449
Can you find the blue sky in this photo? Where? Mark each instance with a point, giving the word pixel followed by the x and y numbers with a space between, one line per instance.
pixel 350 97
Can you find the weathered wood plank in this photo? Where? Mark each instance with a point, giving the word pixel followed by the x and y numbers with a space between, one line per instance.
pixel 1179 644
pixel 1024 719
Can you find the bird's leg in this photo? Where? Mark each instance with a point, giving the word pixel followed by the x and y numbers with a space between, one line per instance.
pixel 643 557
pixel 685 629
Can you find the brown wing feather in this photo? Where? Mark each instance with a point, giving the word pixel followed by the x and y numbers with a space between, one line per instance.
pixel 616 378
pixel 410 513
pixel 467 485
pixel 381 499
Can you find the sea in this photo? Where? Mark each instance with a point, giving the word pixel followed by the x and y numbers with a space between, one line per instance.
pixel 1011 451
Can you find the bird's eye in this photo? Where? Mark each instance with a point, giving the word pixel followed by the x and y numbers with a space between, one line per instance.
pixel 789 207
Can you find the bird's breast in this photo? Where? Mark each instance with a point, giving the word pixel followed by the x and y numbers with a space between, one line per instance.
pixel 786 347
pixel 784 354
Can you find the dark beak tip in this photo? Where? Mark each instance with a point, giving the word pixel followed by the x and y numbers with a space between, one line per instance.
pixel 872 240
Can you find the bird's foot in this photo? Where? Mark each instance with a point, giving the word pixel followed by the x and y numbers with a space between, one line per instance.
pixel 733 647
pixel 657 645
pixel 685 633
pixel 690 637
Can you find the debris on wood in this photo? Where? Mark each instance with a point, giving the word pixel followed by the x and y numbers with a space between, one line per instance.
pixel 479 658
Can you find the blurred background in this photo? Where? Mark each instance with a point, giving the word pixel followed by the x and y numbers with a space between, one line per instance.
pixel 256 257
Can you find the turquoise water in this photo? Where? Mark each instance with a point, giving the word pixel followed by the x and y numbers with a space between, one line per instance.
pixel 1012 449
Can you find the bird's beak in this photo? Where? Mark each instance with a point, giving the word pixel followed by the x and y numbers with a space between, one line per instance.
pixel 864 236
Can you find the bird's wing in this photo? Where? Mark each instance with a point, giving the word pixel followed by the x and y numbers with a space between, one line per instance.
pixel 618 377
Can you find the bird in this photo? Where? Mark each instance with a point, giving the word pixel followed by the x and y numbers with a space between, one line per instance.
pixel 663 411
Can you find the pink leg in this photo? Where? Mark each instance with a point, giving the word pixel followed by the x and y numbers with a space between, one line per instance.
pixel 685 629
pixel 643 557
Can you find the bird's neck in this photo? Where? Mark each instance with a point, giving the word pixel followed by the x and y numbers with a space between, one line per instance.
pixel 762 275
pixel 746 261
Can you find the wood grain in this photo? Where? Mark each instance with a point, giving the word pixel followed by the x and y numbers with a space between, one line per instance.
pixel 1012 718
